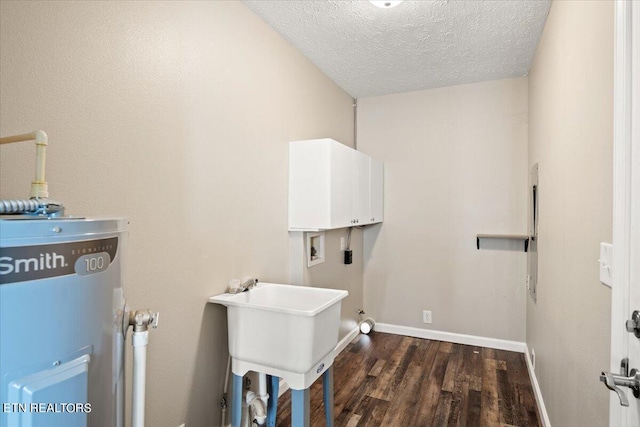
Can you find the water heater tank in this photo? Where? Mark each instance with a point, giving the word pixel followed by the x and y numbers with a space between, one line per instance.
pixel 61 322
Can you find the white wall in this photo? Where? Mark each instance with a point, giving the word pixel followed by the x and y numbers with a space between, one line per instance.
pixel 175 115
pixel 571 137
pixel 455 165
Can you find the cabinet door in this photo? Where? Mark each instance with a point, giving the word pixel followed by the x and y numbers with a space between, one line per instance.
pixel 309 185
pixel 342 188
pixel 376 191
pixel 361 202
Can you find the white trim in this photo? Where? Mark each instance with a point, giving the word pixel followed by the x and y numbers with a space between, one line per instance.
pixel 431 334
pixel 536 390
pixel 296 257
pixel 622 121
pixel 342 344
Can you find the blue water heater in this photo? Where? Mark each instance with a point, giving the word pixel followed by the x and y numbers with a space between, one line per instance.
pixel 61 322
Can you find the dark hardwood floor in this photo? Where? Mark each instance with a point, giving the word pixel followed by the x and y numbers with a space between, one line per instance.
pixel 395 381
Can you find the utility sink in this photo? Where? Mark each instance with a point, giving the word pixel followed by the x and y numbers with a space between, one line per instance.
pixel 283 330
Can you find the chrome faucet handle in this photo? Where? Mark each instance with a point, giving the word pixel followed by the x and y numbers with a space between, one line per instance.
pixel 248 283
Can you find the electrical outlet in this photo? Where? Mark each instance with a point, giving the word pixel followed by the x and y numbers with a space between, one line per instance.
pixel 343 244
pixel 182 425
pixel 426 316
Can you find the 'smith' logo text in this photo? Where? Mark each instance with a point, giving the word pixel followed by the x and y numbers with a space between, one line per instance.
pixel 46 261
pixel 84 257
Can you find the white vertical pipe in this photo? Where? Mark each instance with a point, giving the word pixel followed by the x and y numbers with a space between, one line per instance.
pixel 139 342
pixel 262 388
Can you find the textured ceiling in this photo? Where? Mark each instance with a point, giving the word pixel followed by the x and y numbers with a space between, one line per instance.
pixel 416 45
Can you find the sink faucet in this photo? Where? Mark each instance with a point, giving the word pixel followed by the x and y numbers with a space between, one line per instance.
pixel 248 284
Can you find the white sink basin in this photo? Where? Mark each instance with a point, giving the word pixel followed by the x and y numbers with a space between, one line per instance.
pixel 283 330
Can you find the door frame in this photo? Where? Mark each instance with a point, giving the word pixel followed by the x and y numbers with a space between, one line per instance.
pixel 623 181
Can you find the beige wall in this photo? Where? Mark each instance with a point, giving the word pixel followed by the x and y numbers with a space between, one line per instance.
pixel 332 273
pixel 455 165
pixel 570 135
pixel 175 115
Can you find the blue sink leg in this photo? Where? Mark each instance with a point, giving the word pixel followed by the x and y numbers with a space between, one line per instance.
pixel 300 403
pixel 272 409
pixel 327 390
pixel 236 401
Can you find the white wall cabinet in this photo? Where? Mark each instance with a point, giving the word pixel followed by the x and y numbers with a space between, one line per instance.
pixel 376 185
pixel 332 186
pixel 361 196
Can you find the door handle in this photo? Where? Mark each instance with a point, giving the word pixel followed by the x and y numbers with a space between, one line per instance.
pixel 612 381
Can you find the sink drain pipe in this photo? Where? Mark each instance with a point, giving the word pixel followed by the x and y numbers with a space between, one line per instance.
pixel 254 405
pixel 259 409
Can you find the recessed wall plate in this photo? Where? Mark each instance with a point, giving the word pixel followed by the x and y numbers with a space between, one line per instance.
pixel 315 248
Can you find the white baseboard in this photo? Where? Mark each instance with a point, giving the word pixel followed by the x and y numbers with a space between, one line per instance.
pixel 431 334
pixel 342 344
pixel 536 389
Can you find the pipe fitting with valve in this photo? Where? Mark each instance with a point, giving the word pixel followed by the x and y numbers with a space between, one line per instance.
pixel 39 204
pixel 140 320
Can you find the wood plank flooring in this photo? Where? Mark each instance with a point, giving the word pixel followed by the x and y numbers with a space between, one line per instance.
pixel 394 381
